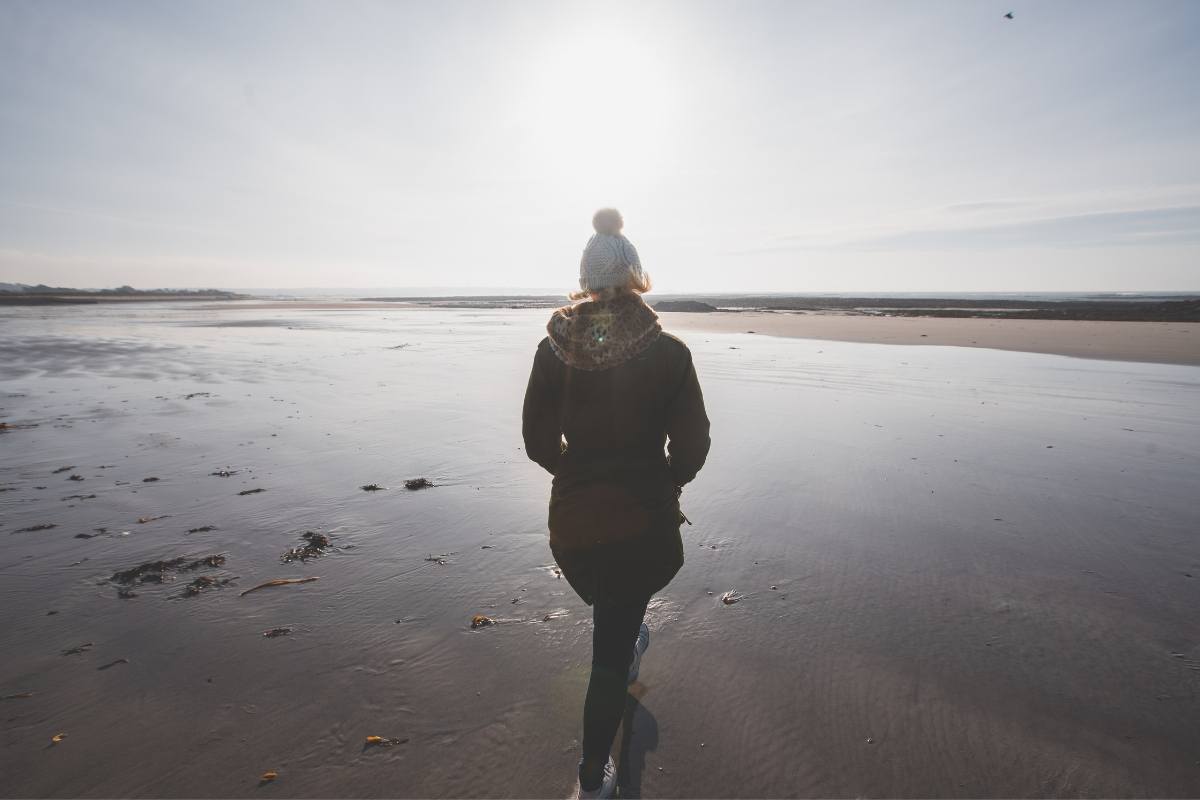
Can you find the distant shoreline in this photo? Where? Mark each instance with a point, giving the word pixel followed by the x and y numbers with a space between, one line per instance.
pixel 91 298
pixel 1109 340
pixel 1166 342
pixel 1129 307
pixel 1133 309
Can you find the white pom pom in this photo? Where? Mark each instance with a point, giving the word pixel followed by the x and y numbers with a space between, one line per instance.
pixel 608 220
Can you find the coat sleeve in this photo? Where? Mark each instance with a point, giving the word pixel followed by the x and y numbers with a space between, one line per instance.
pixel 540 416
pixel 687 428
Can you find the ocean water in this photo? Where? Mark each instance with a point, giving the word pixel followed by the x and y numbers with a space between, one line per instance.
pixel 965 572
pixel 518 291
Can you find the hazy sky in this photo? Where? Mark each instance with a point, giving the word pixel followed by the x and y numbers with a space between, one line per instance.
pixel 893 146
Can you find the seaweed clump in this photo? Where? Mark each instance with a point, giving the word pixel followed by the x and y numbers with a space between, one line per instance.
pixel 163 571
pixel 43 526
pixel 154 571
pixel 203 582
pixel 314 545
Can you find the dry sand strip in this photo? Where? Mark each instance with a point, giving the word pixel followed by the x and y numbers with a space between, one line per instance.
pixel 1159 342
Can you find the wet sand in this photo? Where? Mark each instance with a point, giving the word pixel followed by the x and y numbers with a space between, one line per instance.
pixel 1160 342
pixel 967 572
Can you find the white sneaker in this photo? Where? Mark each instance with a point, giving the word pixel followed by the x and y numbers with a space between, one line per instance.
pixel 639 647
pixel 608 785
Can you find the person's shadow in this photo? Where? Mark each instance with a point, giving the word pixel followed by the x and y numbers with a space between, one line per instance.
pixel 639 735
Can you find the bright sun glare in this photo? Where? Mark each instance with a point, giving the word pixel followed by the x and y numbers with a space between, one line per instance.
pixel 598 110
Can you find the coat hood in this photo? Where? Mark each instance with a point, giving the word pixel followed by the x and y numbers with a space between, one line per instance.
pixel 601 334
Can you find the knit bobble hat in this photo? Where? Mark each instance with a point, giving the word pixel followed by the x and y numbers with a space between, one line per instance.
pixel 609 260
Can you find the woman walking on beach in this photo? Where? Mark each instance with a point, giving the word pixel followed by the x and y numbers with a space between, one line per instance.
pixel 609 382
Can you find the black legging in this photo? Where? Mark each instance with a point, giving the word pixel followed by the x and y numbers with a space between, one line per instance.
pixel 614 632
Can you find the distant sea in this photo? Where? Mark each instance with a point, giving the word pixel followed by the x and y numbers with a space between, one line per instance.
pixel 514 291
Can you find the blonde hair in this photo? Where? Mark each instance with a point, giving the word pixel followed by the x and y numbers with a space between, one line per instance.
pixel 637 284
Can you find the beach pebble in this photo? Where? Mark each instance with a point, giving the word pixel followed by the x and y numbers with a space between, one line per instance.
pixel 382 741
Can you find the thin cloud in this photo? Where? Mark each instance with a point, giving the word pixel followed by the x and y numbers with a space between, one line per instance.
pixel 1168 225
pixel 990 205
pixel 93 215
pixel 1172 225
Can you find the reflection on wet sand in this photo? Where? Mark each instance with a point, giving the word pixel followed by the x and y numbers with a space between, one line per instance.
pixel 957 572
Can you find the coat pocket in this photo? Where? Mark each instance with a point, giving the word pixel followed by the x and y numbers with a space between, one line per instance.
pixel 597 513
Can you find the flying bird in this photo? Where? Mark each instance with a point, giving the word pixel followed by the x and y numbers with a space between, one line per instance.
pixel 1009 15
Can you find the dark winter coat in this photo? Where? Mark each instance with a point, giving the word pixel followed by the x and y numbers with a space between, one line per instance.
pixel 614 510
